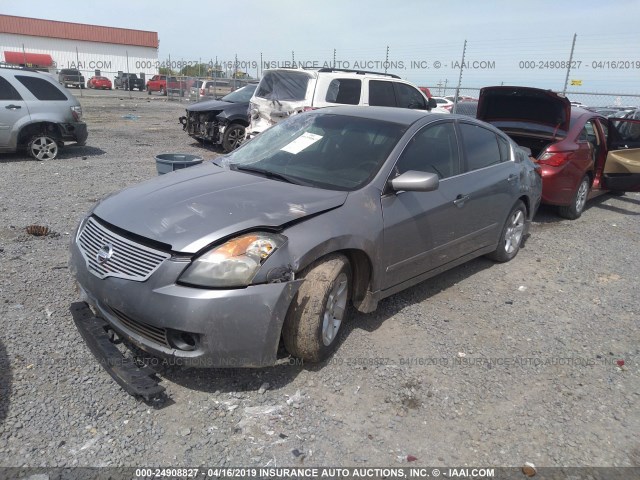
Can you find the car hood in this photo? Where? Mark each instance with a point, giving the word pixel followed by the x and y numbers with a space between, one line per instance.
pixel 524 107
pixel 191 208
pixel 208 105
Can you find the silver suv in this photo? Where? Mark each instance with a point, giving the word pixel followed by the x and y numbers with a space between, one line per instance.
pixel 287 91
pixel 36 113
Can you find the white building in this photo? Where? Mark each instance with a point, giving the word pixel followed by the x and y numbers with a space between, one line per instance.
pixel 56 45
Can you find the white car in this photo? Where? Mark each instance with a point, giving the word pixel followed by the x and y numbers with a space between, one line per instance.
pixel 444 103
pixel 288 91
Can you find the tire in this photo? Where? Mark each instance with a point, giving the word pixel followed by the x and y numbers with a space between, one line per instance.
pixel 82 86
pixel 43 147
pixel 511 235
pixel 318 310
pixel 233 137
pixel 148 91
pixel 575 209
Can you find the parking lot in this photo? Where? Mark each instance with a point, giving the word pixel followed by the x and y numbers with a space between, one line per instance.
pixel 535 360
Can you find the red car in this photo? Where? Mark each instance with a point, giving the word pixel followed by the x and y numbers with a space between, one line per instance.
pixel 99 82
pixel 581 153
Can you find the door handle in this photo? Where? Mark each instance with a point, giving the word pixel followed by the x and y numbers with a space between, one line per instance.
pixel 512 178
pixel 460 199
pixel 12 107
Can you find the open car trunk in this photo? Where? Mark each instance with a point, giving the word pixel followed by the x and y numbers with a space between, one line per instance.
pixel 532 117
pixel 536 144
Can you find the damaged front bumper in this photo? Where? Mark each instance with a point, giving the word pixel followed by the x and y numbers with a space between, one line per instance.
pixel 140 381
pixel 189 326
pixel 203 126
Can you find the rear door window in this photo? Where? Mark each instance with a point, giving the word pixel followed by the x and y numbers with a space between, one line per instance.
pixel 41 89
pixel 344 90
pixel 505 149
pixel 7 91
pixel 381 94
pixel 480 147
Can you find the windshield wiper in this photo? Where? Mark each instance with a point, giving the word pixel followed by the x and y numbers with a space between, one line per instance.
pixel 268 174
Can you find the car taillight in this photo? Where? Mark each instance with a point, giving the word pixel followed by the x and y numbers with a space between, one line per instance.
pixel 448 107
pixel 76 112
pixel 306 109
pixel 202 91
pixel 555 159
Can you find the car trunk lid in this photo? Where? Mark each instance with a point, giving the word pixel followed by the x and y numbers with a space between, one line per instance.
pixel 525 110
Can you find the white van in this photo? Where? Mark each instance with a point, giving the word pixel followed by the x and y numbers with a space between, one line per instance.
pixel 287 91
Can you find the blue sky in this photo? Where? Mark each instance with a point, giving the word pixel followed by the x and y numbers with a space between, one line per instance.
pixel 511 42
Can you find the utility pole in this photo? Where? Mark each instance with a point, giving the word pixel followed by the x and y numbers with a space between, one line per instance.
pixel 455 100
pixel 386 60
pixel 566 80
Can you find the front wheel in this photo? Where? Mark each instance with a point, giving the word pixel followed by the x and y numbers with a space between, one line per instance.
pixel 512 234
pixel 233 137
pixel 310 329
pixel 43 147
pixel 575 209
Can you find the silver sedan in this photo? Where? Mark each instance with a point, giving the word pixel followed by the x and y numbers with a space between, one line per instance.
pixel 216 264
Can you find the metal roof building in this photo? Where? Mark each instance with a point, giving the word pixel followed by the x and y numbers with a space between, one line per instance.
pixel 56 45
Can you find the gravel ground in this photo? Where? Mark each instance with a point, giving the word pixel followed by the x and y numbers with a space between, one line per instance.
pixel 488 364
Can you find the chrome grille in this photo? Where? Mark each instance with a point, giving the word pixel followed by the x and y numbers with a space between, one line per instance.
pixel 150 332
pixel 124 258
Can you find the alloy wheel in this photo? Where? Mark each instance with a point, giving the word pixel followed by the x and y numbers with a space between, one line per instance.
pixel 335 309
pixel 513 235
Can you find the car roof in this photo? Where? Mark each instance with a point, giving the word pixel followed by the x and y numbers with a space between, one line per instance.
pixel 403 116
pixel 338 72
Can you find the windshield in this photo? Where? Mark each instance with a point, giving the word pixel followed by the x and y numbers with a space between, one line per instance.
pixel 331 151
pixel 289 86
pixel 242 95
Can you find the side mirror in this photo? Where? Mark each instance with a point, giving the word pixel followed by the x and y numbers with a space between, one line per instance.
pixel 432 103
pixel 414 181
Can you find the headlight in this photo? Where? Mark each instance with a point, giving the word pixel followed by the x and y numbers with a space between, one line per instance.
pixel 234 263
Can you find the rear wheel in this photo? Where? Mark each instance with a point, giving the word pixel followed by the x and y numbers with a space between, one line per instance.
pixel 310 330
pixel 43 147
pixel 512 234
pixel 233 137
pixel 575 209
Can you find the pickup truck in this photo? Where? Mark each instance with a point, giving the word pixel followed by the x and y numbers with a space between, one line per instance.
pixel 128 81
pixel 157 83
pixel 164 84
pixel 71 76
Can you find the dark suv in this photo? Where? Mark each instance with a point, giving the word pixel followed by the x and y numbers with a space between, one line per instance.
pixel 71 76
pixel 36 113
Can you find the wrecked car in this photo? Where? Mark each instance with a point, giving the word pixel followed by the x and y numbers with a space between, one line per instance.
pixel 285 92
pixel 219 264
pixel 221 122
